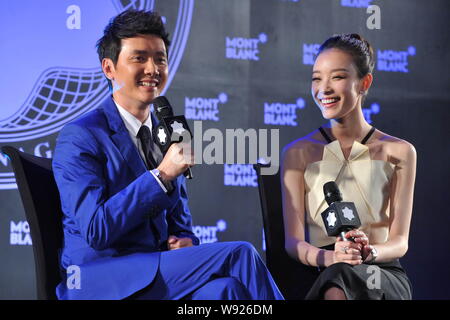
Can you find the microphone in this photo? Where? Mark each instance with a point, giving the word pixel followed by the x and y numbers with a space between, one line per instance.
pixel 170 128
pixel 340 217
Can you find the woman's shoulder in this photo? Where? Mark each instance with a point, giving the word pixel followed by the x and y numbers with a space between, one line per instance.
pixel 304 150
pixel 309 142
pixel 397 149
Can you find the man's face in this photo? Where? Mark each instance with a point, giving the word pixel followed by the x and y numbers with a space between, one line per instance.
pixel 141 71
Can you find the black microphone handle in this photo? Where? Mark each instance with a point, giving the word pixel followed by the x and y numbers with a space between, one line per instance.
pixel 342 234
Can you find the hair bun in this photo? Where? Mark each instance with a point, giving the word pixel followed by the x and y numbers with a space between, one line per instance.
pixel 356 36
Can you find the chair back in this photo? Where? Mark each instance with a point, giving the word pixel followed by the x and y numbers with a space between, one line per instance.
pixel 293 278
pixel 40 197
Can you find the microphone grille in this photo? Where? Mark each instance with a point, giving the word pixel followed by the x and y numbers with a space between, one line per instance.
pixel 331 192
pixel 162 107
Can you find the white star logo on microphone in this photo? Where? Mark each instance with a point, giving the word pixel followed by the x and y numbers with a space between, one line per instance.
pixel 162 136
pixel 177 127
pixel 331 219
pixel 348 213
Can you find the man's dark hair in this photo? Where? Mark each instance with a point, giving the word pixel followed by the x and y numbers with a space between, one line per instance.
pixel 128 24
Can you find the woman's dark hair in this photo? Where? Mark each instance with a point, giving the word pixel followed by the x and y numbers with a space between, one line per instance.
pixel 355 45
pixel 128 24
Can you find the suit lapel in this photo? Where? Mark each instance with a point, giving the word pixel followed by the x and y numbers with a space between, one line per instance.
pixel 121 138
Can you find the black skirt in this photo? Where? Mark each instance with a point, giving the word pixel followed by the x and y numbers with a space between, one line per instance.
pixel 368 281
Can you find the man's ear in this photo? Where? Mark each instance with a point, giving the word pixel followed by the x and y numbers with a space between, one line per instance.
pixel 108 68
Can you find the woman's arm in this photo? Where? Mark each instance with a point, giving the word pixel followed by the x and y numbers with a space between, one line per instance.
pixel 401 202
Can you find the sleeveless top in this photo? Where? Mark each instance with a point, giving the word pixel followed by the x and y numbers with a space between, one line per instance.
pixel 360 179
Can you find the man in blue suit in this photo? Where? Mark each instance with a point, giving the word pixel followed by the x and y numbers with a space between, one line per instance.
pixel 127 225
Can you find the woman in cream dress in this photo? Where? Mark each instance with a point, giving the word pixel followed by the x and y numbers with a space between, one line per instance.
pixel 374 170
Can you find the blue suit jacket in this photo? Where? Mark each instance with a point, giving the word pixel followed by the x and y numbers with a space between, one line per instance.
pixel 112 205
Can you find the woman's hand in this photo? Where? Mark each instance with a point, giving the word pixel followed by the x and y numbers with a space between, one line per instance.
pixel 361 238
pixel 347 251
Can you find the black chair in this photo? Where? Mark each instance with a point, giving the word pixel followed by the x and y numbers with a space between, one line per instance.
pixel 293 278
pixel 40 197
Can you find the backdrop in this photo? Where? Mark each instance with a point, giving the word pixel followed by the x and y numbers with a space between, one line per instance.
pixel 234 64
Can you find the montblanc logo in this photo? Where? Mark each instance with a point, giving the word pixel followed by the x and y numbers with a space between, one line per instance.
pixel 348 213
pixel 208 234
pixel 240 175
pixel 331 219
pixel 310 51
pixel 177 127
pixel 284 114
pixel 244 48
pixel 394 61
pixel 368 112
pixel 162 136
pixel 20 234
pixel 200 108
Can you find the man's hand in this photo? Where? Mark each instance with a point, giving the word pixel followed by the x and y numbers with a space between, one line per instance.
pixel 177 160
pixel 174 242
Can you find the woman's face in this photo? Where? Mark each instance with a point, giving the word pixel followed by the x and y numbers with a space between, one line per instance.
pixel 335 84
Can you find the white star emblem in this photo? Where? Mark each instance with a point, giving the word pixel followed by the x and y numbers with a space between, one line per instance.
pixel 331 219
pixel 348 213
pixel 177 127
pixel 162 136
pixel 221 225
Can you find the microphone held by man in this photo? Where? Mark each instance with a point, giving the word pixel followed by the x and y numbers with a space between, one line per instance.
pixel 170 129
